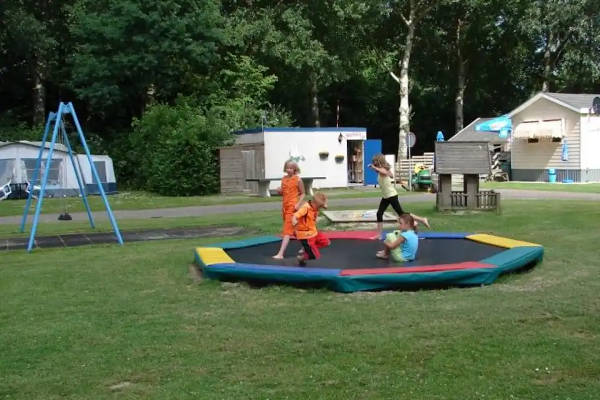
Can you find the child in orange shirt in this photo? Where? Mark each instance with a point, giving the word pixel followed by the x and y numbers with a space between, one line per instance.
pixel 305 221
pixel 292 191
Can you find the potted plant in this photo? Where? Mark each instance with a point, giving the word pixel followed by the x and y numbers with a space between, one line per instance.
pixel 339 158
pixel 323 154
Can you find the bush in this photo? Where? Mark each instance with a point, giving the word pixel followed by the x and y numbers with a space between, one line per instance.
pixel 173 150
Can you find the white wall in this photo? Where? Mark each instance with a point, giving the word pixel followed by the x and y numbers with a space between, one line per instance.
pixel 545 154
pixel 590 142
pixel 20 151
pixel 87 171
pixel 306 144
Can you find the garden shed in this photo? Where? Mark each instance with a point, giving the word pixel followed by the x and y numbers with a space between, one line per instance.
pixel 557 133
pixel 335 157
pixel 18 159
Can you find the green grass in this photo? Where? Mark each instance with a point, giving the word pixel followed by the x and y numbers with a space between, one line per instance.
pixel 556 187
pixel 106 322
pixel 145 200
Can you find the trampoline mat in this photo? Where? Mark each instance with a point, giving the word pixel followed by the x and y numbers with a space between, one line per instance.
pixel 355 253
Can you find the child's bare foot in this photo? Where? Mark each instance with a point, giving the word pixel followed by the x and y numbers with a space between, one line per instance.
pixel 278 257
pixel 301 260
pixel 381 254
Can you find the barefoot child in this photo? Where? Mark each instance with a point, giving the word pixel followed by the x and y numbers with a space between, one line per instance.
pixel 402 244
pixel 292 191
pixel 389 195
pixel 305 221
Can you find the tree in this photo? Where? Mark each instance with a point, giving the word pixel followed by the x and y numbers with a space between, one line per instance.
pixel 417 9
pixel 34 42
pixel 132 52
pixel 554 28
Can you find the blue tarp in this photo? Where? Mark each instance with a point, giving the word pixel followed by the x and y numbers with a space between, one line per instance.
pixel 502 125
pixel 565 150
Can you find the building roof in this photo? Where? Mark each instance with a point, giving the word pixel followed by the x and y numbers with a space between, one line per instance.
pixel 573 101
pixel 57 146
pixel 302 129
pixel 469 134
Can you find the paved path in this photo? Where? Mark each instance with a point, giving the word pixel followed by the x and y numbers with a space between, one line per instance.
pixel 370 202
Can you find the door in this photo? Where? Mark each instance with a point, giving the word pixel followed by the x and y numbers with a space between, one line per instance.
pixel 372 147
pixel 249 170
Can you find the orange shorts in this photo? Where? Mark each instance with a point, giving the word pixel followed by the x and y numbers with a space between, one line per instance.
pixel 288 228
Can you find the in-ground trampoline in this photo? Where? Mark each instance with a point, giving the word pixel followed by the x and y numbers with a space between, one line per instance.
pixel 349 263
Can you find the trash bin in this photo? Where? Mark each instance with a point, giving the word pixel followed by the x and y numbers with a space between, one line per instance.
pixel 551 175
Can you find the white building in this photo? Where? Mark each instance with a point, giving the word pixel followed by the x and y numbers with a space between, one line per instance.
pixel 337 154
pixel 18 159
pixel 549 125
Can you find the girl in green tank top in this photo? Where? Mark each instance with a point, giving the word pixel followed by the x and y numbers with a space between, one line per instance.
pixel 389 195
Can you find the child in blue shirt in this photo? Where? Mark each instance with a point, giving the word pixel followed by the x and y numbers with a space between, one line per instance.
pixel 402 244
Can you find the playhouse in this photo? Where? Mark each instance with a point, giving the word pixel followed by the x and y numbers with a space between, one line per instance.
pixel 334 157
pixel 18 159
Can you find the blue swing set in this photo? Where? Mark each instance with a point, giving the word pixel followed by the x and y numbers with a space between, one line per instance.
pixel 57 119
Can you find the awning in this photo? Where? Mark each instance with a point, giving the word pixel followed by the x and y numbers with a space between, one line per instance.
pixel 552 129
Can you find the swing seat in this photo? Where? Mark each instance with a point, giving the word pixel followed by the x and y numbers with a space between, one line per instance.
pixel 5 191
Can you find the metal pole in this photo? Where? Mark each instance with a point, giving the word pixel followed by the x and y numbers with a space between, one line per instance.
pixel 79 183
pixel 38 207
pixel 409 167
pixel 38 163
pixel 113 221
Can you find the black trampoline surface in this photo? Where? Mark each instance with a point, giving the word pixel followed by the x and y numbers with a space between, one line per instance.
pixel 357 253
pixel 81 239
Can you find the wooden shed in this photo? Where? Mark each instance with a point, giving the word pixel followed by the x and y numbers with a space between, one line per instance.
pixel 469 159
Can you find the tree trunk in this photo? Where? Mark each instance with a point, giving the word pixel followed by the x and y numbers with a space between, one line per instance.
pixel 39 92
pixel 461 83
pixel 404 122
pixel 547 64
pixel 314 95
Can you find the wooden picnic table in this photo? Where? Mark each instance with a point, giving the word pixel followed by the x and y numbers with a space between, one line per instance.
pixel 264 183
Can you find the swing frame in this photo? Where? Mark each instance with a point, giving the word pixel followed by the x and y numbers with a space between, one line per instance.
pixel 57 119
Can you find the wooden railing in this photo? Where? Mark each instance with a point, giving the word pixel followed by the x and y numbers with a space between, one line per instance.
pixel 486 200
pixel 458 199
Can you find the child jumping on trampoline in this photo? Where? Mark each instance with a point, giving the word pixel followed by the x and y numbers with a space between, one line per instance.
pixel 389 195
pixel 305 221
pixel 401 244
pixel 292 192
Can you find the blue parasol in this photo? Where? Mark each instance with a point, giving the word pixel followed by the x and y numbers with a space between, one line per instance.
pixel 499 124
pixel 565 150
pixel 439 137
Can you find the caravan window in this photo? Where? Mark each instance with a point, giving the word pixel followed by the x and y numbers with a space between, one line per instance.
pixel 101 168
pixel 54 175
pixel 7 170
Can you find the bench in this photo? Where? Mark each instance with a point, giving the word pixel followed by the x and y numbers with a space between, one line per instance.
pixel 264 183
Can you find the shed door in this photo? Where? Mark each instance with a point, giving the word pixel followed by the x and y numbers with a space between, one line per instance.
pixel 249 170
pixel 372 147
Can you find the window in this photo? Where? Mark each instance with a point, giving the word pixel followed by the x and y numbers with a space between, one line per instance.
pixel 7 170
pixel 101 168
pixel 54 175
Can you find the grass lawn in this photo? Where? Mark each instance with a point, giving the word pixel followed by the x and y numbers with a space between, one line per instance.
pixel 556 187
pixel 106 322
